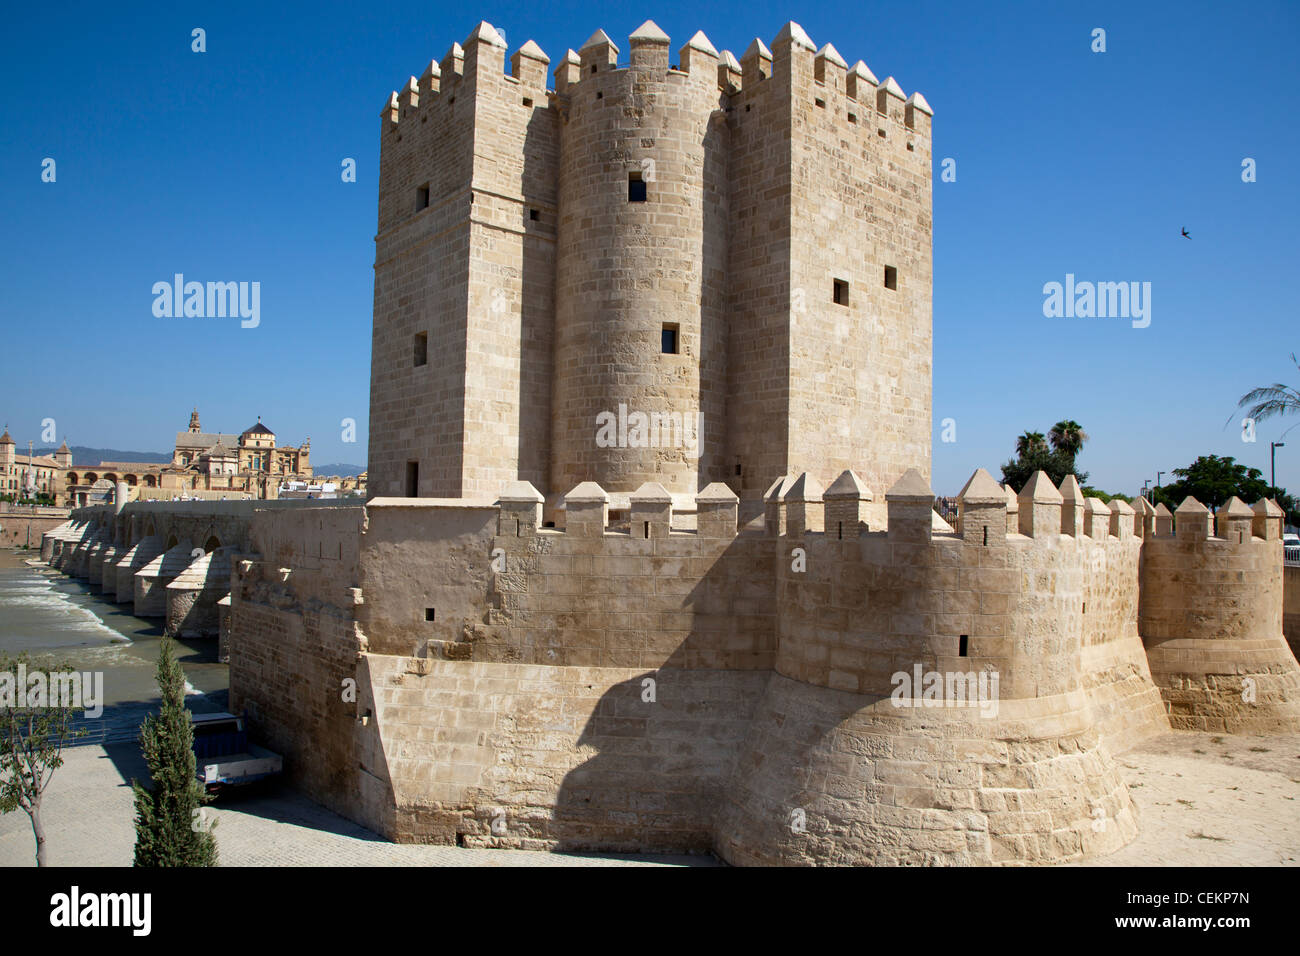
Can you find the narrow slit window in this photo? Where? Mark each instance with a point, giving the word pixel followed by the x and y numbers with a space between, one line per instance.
pixel 636 186
pixel 412 479
pixel 962 645
pixel 422 197
pixel 668 341
pixel 840 292
pixel 891 277
pixel 421 349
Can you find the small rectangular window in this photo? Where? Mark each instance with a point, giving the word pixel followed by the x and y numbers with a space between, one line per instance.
pixel 534 215
pixel 527 101
pixel 962 645
pixel 840 292
pixel 412 479
pixel 429 613
pixel 821 104
pixel 422 197
pixel 668 340
pixel 636 187
pixel 421 349
pixel 853 117
pixel 891 277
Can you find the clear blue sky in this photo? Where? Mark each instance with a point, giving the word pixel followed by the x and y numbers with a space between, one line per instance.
pixel 225 165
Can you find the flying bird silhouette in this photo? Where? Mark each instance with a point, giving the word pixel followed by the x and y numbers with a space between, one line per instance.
pixel 1186 234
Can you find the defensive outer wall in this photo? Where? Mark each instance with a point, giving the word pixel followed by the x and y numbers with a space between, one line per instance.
pixel 448 670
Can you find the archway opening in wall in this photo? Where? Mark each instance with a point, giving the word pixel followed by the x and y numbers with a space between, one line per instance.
pixel 131 480
pixel 72 478
pixel 149 530
pixel 172 542
pixel 91 478
pixel 211 545
pixel 150 481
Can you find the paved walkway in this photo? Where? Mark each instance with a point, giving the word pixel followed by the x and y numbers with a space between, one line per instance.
pixel 89 821
pixel 1204 800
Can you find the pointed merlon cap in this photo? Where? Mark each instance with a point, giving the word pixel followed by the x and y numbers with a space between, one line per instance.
pixel 1162 512
pixel 1120 506
pixel 648 32
pixel 531 51
pixel 1268 508
pixel 717 492
pixel 776 490
pixel 848 485
pixel 1040 489
pixel 586 492
pixel 653 493
pixel 456 52
pixel 520 492
pixel 433 69
pixel 758 49
pixel 805 488
pixel 701 42
pixel 796 35
pixel 891 86
pixel 1070 490
pixel 729 60
pixel 917 101
pixel 832 55
pixel 982 489
pixel 1191 506
pixel 598 39
pixel 862 71
pixel 1097 506
pixel 390 107
pixel 911 487
pixel 486 33
pixel 1143 507
pixel 1236 508
pixel 1013 503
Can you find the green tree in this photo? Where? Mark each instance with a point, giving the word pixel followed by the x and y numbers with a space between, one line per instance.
pixel 1268 401
pixel 31 741
pixel 1017 472
pixel 1212 480
pixel 168 831
pixel 1067 436
pixel 1030 443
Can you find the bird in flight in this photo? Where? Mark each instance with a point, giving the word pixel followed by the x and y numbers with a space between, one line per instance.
pixel 1186 234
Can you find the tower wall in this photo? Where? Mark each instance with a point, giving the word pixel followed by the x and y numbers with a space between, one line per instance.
pixel 1211 619
pixel 627 269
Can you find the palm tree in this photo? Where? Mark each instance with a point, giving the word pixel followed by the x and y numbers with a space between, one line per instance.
pixel 1030 442
pixel 1067 437
pixel 1271 400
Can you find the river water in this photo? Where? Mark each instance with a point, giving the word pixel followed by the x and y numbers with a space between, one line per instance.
pixel 49 615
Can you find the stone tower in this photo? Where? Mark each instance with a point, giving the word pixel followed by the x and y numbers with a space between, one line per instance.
pixel 728 263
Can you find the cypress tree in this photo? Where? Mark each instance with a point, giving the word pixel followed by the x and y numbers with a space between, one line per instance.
pixel 169 830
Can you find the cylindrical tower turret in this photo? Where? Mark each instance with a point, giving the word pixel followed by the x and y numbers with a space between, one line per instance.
pixel 639 335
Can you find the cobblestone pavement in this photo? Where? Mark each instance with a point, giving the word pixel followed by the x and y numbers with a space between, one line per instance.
pixel 1203 800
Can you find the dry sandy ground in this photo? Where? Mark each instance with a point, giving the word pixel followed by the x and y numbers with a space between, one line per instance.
pixel 1203 800
pixel 1213 800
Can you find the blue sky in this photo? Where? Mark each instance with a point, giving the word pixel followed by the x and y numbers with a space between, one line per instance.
pixel 225 165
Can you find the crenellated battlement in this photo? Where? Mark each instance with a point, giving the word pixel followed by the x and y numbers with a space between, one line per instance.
pixel 797 63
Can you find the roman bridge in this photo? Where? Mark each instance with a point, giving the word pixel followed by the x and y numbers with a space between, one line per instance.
pixel 168 559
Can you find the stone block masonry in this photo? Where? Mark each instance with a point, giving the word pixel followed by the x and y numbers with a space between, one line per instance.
pixel 743 244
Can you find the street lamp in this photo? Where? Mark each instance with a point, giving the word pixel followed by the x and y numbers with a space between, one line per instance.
pixel 1273 446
